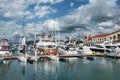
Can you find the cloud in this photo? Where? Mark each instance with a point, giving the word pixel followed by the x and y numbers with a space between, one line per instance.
pixel 8 27
pixel 71 4
pixel 90 16
pixel 14 10
pixel 42 11
pixel 105 24
pixel 50 1
pixel 18 8
pixel 116 27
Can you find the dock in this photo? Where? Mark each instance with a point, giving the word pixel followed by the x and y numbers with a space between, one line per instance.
pixel 67 56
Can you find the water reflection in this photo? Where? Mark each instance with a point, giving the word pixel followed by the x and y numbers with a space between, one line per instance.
pixel 23 66
pixel 72 68
pixel 4 67
pixel 49 69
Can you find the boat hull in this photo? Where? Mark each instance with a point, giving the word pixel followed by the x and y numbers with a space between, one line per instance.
pixel 47 51
pixel 99 50
pixel 4 53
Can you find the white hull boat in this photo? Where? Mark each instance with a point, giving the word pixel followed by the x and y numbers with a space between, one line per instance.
pixel 54 57
pixel 22 58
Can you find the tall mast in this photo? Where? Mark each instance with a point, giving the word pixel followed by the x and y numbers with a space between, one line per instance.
pixel 23 25
pixel 54 33
pixel 35 31
pixel 58 34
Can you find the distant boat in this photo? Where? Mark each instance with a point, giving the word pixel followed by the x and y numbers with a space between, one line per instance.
pixel 4 46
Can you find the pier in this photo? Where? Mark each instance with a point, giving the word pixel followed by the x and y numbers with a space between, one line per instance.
pixel 66 56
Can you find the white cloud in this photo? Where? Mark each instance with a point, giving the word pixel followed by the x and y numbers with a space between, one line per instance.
pixel 51 25
pixel 85 18
pixel 9 27
pixel 42 11
pixel 105 24
pixel 116 27
pixel 11 8
pixel 71 4
pixel 18 8
pixel 50 1
pixel 96 12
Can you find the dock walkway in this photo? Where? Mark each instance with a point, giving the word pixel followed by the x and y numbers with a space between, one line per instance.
pixel 67 56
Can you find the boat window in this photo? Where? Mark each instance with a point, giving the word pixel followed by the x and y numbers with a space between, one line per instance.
pixel 98 46
pixel 107 46
pixel 111 47
pixel 51 46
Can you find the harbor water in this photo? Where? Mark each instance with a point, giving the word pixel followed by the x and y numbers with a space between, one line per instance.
pixel 73 69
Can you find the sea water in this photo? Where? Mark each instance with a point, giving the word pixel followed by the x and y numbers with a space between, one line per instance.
pixel 72 69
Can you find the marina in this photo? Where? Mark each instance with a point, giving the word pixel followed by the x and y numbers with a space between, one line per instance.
pixel 49 60
pixel 66 56
pixel 59 39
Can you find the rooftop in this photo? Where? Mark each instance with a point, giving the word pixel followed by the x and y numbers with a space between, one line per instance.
pixel 101 35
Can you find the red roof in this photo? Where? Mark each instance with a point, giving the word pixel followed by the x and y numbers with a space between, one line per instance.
pixel 101 35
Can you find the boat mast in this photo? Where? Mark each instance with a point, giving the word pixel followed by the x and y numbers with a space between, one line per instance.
pixel 58 34
pixel 35 31
pixel 23 37
pixel 34 45
pixel 54 33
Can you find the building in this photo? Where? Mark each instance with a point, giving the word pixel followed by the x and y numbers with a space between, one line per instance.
pixel 100 38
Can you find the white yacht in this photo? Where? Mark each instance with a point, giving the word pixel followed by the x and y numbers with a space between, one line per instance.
pixel 4 47
pixel 99 48
pixel 70 48
pixel 46 46
pixel 107 46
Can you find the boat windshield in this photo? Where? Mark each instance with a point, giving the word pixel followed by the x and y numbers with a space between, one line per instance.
pixel 51 46
pixel 111 47
pixel 99 46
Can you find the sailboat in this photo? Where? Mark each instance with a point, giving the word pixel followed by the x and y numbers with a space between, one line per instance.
pixel 55 56
pixel 22 51
pixel 35 57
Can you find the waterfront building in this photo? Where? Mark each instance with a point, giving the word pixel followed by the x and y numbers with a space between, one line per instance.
pixel 100 38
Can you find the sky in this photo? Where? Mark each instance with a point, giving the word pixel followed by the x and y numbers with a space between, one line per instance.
pixel 74 18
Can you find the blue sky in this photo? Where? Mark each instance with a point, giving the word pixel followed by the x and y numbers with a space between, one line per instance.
pixel 74 18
